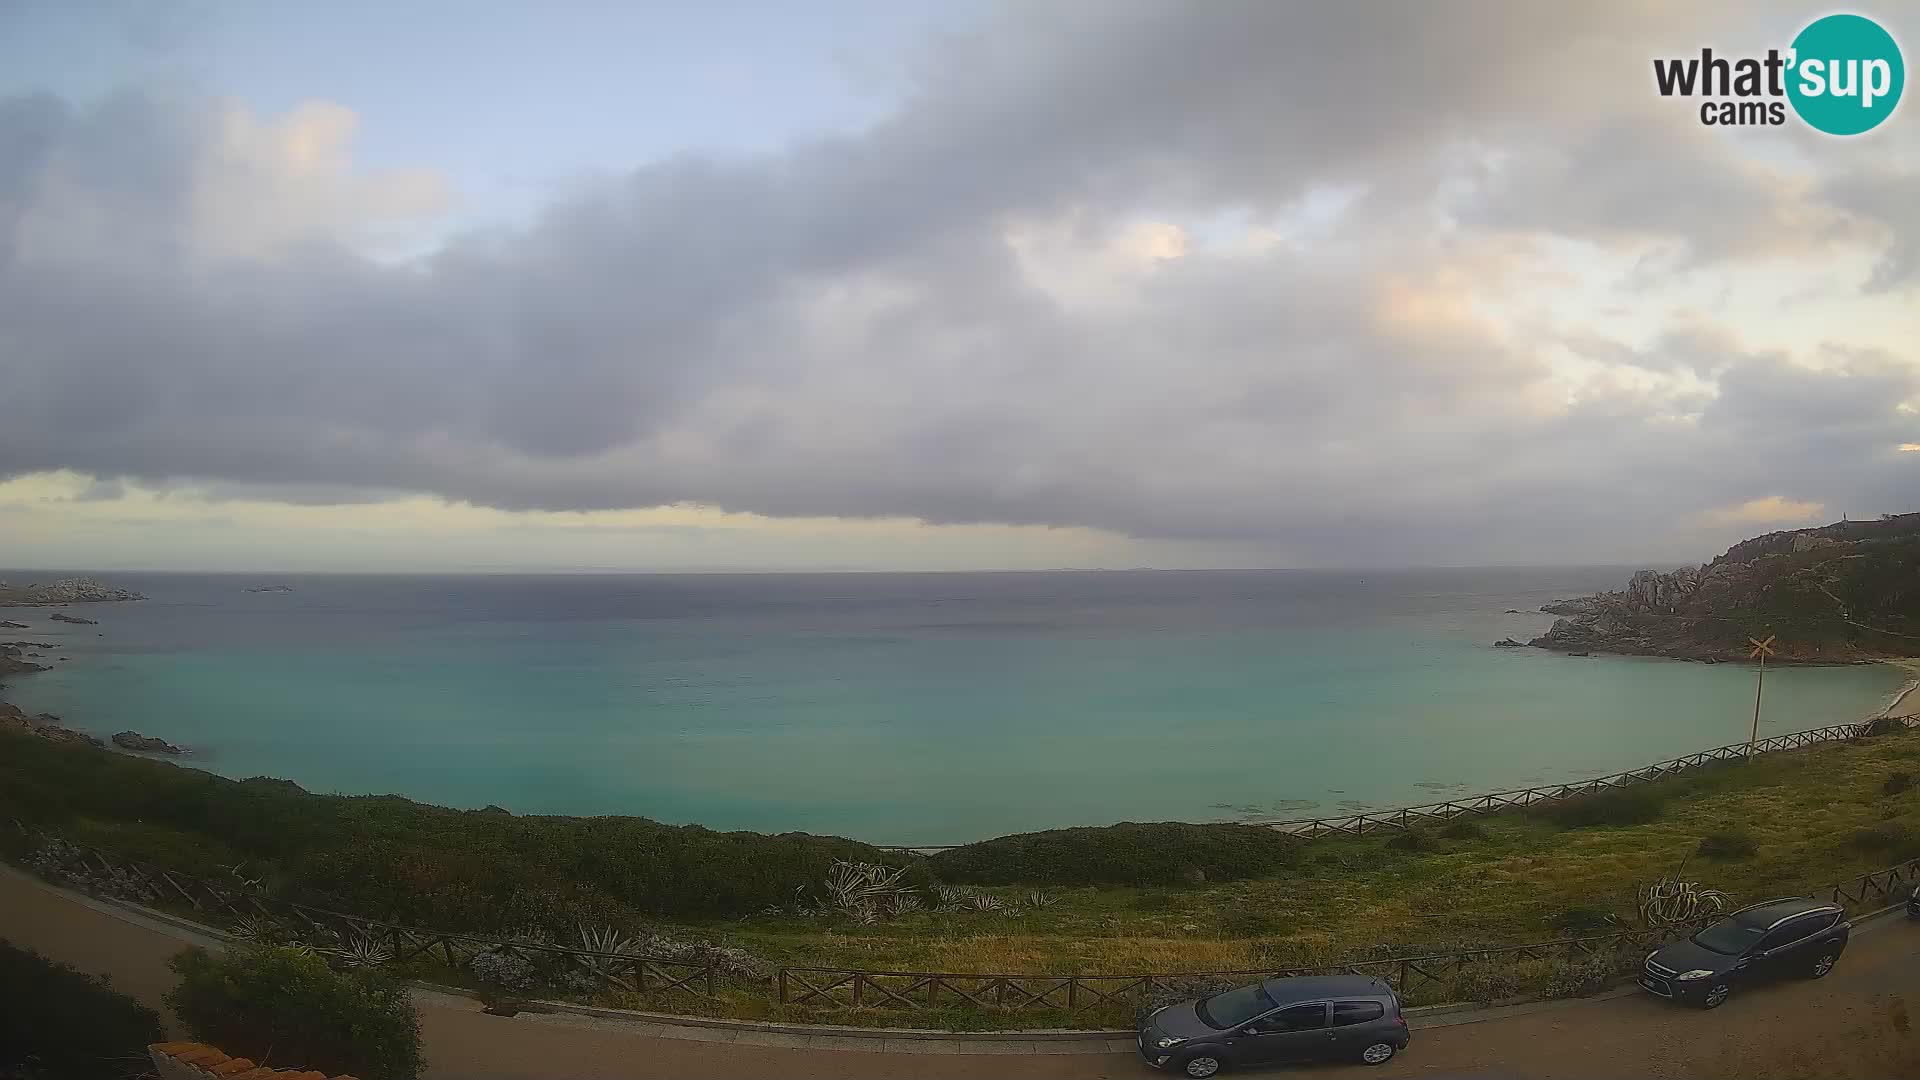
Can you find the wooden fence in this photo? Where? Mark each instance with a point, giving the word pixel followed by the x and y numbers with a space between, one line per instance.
pixel 829 987
pixel 1364 823
pixel 1616 954
pixel 1882 888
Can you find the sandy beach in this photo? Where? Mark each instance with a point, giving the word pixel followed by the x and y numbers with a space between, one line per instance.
pixel 1908 703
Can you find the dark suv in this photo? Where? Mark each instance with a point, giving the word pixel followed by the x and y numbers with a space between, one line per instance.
pixel 1780 937
pixel 1355 1017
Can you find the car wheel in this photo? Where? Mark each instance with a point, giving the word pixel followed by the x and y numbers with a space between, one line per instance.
pixel 1377 1054
pixel 1823 964
pixel 1717 995
pixel 1201 1066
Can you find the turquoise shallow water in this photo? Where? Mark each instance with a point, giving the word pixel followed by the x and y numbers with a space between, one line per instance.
pixel 901 708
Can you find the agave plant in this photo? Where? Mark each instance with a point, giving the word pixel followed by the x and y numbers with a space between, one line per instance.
pixel 903 904
pixel 362 951
pixel 864 890
pixel 948 898
pixel 985 902
pixel 1040 901
pixel 256 928
pixel 604 939
pixel 850 884
pixel 1667 902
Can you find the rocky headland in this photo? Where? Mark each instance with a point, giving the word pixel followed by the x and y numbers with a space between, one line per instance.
pixel 146 744
pixel 1842 593
pixel 70 591
pixel 45 726
pixel 13 657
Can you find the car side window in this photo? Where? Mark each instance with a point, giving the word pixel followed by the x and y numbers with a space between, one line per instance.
pixel 1790 932
pixel 1294 1018
pixel 1347 1013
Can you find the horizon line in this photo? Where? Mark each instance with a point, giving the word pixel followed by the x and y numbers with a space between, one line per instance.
pixel 828 571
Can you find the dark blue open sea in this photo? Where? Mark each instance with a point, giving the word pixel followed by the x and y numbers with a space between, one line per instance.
pixel 898 708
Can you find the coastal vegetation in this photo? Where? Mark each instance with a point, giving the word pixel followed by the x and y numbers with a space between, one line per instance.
pixel 1127 898
pixel 409 862
pixel 284 1006
pixel 61 1024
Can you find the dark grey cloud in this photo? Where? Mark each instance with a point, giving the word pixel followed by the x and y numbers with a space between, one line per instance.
pixel 844 328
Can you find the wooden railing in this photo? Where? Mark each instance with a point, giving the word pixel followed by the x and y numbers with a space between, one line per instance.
pixel 1619 953
pixel 1879 889
pixel 1364 823
pixel 827 987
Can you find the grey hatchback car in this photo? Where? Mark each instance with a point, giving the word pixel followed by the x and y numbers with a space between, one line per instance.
pixel 1352 1017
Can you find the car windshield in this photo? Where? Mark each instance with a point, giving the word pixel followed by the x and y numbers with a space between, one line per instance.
pixel 1233 1008
pixel 1729 937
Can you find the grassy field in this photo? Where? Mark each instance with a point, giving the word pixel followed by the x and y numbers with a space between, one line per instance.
pixel 1786 823
pixel 1814 817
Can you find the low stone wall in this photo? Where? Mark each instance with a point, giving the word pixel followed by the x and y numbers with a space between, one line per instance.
pixel 197 1061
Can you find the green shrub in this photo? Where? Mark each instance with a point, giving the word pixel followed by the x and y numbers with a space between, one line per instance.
pixel 56 1022
pixel 1583 977
pixel 1463 828
pixel 1885 836
pixel 1728 844
pixel 1624 806
pixel 1153 900
pixel 1410 840
pixel 1166 853
pixel 1486 982
pixel 1897 782
pixel 286 1008
pixel 415 863
pixel 1249 922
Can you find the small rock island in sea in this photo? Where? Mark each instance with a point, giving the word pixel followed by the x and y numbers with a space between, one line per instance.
pixel 272 588
pixel 1841 593
pixel 70 591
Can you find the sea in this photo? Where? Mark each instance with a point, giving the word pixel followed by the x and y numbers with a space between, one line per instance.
pixel 911 709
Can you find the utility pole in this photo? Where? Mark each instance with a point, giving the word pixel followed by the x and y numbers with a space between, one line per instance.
pixel 1761 650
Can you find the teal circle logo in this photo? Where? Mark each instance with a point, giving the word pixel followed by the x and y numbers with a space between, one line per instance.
pixel 1847 74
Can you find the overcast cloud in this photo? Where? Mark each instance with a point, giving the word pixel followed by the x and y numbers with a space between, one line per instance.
pixel 1349 284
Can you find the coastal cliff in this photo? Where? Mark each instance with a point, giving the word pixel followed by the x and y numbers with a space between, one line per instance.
pixel 1835 594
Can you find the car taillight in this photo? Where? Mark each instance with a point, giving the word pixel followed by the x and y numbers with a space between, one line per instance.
pixel 1401 1020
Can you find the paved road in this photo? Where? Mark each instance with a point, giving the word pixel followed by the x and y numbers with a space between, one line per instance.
pixel 1854 1025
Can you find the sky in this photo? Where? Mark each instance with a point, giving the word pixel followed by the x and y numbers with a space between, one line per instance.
pixel 868 285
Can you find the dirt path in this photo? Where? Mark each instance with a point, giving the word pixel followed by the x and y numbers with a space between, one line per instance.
pixel 1853 1024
